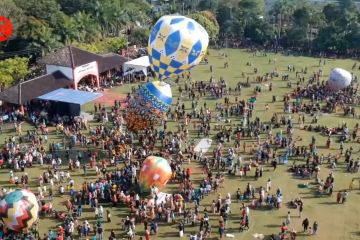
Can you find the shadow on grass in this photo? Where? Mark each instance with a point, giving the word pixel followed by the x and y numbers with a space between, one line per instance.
pixel 169 234
pixel 264 208
pixel 329 203
pixel 272 225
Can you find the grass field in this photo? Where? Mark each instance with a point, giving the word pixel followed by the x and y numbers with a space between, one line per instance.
pixel 335 221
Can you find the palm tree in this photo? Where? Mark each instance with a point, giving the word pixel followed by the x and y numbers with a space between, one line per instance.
pixel 46 40
pixel 88 28
pixel 282 11
pixel 69 30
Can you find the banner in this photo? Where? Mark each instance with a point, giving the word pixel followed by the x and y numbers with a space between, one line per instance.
pixel 84 70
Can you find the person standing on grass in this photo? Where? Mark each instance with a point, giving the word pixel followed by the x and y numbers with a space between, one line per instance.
pixel 338 196
pixel 315 227
pixel 352 184
pixel 268 185
pixel 221 228
pixel 284 228
pixel 305 224
pixel 108 215
pixel 301 208
pixel 147 234
pixel 100 232
pixel 344 196
pixel 288 219
pixel 274 164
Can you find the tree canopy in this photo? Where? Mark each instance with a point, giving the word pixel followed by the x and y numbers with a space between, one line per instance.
pixel 209 22
pixel 45 25
pixel 13 69
pixel 48 24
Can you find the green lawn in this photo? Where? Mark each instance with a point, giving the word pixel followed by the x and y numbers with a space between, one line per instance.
pixel 335 221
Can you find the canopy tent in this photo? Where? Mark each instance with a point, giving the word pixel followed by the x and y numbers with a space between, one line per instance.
pixel 136 65
pixel 70 96
pixel 68 101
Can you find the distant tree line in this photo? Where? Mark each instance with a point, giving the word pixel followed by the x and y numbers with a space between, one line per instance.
pixel 40 26
pixel 48 24
pixel 292 24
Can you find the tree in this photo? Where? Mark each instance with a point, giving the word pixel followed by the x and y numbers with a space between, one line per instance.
pixel 210 15
pixel 13 69
pixel 224 18
pixel 211 28
pixel 208 5
pixel 88 28
pixel 47 41
pixel 330 38
pixel 332 12
pixel 282 11
pixel 71 7
pixel 301 17
pixel 296 36
pixel 39 34
pixel 115 44
pixel 259 31
pixel 139 36
pixel 9 9
pixel 69 32
pixel 105 46
pixel 47 10
pixel 90 47
pixel 347 4
pixel 353 37
pixel 248 12
pixel 251 7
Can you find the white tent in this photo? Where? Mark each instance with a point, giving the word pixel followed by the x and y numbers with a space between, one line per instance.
pixel 136 65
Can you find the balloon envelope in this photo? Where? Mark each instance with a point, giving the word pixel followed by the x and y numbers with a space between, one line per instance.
pixel 155 171
pixel 339 79
pixel 176 43
pixel 19 210
pixel 157 94
pixel 151 101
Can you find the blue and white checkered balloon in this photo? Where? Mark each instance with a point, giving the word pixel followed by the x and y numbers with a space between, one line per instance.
pixel 176 44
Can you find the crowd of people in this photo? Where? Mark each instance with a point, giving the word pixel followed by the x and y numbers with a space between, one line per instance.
pixel 115 155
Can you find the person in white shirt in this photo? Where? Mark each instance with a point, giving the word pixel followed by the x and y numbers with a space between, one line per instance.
pixel 101 212
pixel 268 185
pixel 77 164
pixel 61 190
pixel 68 177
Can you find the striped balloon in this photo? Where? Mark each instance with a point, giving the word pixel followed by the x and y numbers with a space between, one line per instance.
pixel 176 44
pixel 19 210
pixel 148 106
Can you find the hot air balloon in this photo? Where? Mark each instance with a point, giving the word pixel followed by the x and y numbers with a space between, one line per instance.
pixel 176 44
pixel 155 171
pixel 339 79
pixel 148 105
pixel 19 210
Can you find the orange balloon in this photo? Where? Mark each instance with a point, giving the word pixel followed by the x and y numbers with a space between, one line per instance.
pixel 155 171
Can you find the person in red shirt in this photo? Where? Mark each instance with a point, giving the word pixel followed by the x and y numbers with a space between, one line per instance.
pixel 284 228
pixel 221 228
pixel 188 173
pixel 61 233
pixel 147 234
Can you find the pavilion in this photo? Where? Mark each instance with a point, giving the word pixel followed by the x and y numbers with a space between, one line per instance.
pixel 65 68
